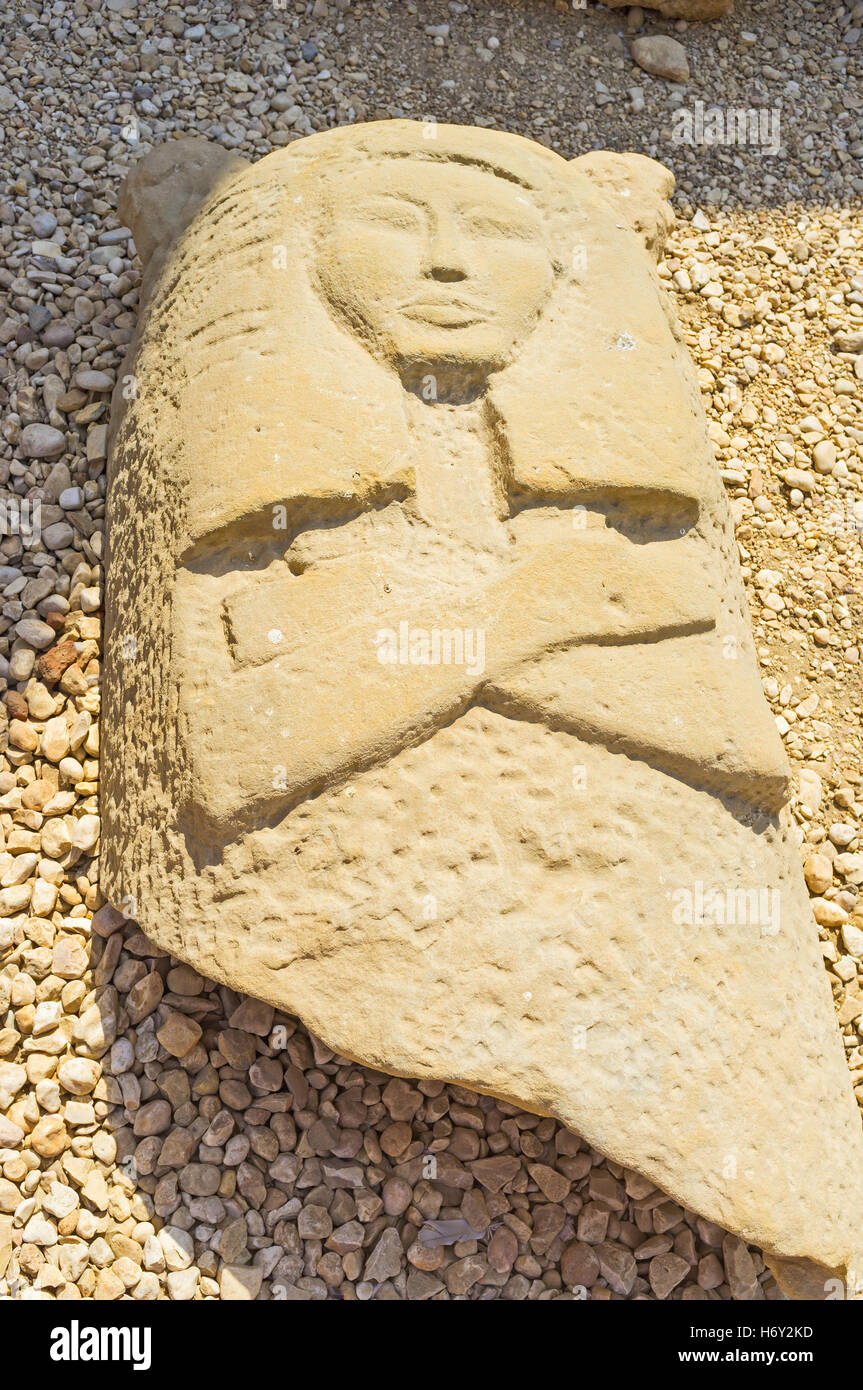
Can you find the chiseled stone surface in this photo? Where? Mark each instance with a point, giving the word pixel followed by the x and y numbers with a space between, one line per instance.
pixel 406 394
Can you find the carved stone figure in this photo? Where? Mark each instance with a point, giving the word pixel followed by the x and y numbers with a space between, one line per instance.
pixel 432 709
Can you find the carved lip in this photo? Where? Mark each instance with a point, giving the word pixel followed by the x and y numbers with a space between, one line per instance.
pixel 444 313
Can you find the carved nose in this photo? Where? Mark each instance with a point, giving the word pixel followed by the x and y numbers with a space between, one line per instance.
pixel 446 271
pixel 445 260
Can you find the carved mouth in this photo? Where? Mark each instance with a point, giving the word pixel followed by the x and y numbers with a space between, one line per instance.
pixel 444 313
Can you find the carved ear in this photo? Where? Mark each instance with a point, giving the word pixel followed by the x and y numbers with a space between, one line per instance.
pixel 165 189
pixel 637 188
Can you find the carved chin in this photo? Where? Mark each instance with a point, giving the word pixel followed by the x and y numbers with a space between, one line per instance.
pixel 475 351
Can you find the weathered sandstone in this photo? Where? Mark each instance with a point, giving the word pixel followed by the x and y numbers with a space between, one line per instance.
pixel 413 505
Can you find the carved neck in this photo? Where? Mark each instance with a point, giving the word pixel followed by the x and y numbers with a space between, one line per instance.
pixel 460 484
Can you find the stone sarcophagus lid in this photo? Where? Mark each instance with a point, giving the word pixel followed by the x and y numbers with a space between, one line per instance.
pixel 433 714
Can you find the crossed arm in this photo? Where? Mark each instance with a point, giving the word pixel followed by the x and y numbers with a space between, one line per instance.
pixel 323 707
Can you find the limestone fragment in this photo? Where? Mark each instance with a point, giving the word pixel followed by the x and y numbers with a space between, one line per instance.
pixel 494 579
pixel 662 56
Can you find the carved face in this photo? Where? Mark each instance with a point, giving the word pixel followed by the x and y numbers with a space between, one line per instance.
pixel 435 265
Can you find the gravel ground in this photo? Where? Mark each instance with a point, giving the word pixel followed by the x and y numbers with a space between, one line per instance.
pixel 161 1137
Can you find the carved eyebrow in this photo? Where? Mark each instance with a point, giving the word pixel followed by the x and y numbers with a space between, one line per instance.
pixel 507 207
pixel 415 201
pixel 517 218
pixel 469 204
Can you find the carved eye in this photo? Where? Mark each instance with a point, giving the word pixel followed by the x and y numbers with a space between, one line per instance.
pixel 485 224
pixel 403 216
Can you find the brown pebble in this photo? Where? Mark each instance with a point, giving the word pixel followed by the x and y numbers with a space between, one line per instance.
pixel 53 663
